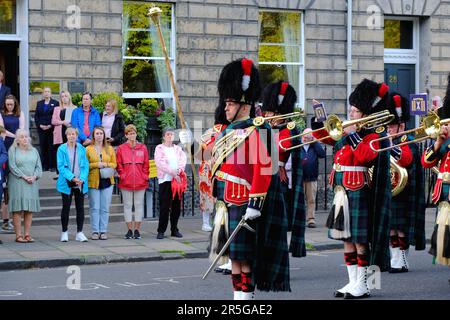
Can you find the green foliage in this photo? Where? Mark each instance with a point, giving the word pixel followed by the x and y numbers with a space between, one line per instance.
pixel 99 100
pixel 167 119
pixel 300 122
pixel 134 116
pixel 76 99
pixel 148 106
pixel 38 86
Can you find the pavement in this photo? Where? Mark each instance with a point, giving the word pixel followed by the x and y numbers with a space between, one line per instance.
pixel 48 252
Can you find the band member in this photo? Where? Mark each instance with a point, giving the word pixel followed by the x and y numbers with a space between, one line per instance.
pixel 361 207
pixel 279 98
pixel 440 152
pixel 242 176
pixel 407 207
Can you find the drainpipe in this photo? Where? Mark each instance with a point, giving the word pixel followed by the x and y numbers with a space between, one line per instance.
pixel 349 50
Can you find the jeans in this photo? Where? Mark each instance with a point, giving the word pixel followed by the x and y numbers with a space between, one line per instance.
pixel 99 204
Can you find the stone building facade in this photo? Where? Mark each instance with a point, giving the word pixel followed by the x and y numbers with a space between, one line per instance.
pixel 83 40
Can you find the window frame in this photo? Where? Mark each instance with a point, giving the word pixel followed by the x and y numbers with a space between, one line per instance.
pixel 14 36
pixel 301 76
pixel 172 59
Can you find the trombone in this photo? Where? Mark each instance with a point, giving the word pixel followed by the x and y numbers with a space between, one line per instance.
pixel 430 128
pixel 258 121
pixel 335 127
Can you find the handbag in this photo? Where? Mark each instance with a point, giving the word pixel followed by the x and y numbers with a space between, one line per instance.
pixel 105 173
pixel 71 183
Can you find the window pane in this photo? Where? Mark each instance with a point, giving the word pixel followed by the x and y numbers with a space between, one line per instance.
pixel 272 73
pixel 145 76
pixel 398 34
pixel 279 53
pixel 8 16
pixel 140 33
pixel 280 27
pixel 145 44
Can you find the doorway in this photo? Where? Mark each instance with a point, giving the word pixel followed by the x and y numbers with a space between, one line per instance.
pixel 402 79
pixel 9 64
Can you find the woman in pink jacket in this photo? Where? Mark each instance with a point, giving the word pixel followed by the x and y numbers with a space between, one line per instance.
pixel 132 167
pixel 170 163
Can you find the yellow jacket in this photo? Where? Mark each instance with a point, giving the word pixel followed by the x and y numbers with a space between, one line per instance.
pixel 108 156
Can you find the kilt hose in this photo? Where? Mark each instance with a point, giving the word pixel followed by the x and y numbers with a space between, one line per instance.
pixel 358 202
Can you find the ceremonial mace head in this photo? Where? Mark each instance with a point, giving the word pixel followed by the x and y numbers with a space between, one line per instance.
pixel 155 13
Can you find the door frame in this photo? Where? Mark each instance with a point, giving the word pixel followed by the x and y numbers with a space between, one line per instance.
pixel 21 36
pixel 407 56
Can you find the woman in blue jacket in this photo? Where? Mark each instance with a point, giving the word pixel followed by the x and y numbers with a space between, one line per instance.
pixel 73 167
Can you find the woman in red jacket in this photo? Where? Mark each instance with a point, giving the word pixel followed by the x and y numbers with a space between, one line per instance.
pixel 132 167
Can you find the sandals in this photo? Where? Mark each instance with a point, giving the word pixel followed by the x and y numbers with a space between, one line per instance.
pixel 28 238
pixel 20 239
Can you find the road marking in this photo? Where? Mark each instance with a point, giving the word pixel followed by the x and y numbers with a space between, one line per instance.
pixel 11 293
pixel 131 284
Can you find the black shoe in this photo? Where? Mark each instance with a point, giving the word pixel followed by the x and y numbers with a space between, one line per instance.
pixel 176 234
pixel 2 242
pixel 52 170
pixel 129 234
pixel 137 235
pixel 218 270
pixel 226 271
pixel 160 235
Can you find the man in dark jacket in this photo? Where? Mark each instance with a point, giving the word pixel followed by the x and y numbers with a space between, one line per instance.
pixel 310 155
pixel 43 119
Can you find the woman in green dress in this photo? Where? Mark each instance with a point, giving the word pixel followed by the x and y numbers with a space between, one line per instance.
pixel 25 169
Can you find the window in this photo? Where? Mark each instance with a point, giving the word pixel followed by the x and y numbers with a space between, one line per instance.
pixel 281 49
pixel 398 34
pixel 8 16
pixel 144 70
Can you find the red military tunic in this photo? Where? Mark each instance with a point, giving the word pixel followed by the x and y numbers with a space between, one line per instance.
pixel 430 158
pixel 246 170
pixel 283 155
pixel 352 159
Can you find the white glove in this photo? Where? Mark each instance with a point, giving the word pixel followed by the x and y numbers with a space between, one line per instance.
pixel 185 137
pixel 251 214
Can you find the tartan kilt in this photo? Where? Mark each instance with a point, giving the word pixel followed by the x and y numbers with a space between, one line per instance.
pixel 358 202
pixel 243 245
pixel 400 215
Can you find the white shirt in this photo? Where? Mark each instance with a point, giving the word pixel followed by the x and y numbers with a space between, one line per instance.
pixel 288 168
pixel 306 147
pixel 173 163
pixel 107 123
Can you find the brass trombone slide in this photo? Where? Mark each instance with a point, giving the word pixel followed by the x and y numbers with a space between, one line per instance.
pixel 335 127
pixel 258 121
pixel 430 128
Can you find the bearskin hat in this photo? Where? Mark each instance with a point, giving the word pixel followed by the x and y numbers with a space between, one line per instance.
pixel 239 80
pixel 279 97
pixel 370 97
pixel 444 112
pixel 399 107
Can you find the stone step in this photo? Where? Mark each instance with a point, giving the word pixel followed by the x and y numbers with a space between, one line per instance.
pixel 39 221
pixel 52 192
pixel 57 200
pixel 55 211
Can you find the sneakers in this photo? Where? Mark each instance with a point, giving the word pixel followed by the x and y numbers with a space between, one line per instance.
pixel 81 237
pixel 95 236
pixel 137 235
pixel 176 234
pixel 160 235
pixel 129 234
pixel 7 227
pixel 206 227
pixel 64 236
pixel 103 236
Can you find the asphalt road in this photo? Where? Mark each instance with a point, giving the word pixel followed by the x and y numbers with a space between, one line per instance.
pixel 312 278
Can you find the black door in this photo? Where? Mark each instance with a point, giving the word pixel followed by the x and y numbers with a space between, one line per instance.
pixel 402 79
pixel 9 64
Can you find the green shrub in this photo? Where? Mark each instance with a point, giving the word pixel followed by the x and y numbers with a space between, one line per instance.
pixel 99 100
pixel 148 107
pixel 167 119
pixel 76 99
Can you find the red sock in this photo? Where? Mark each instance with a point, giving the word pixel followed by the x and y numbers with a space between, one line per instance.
pixel 237 282
pixel 247 285
pixel 350 258
pixel 362 260
pixel 394 241
pixel 402 243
